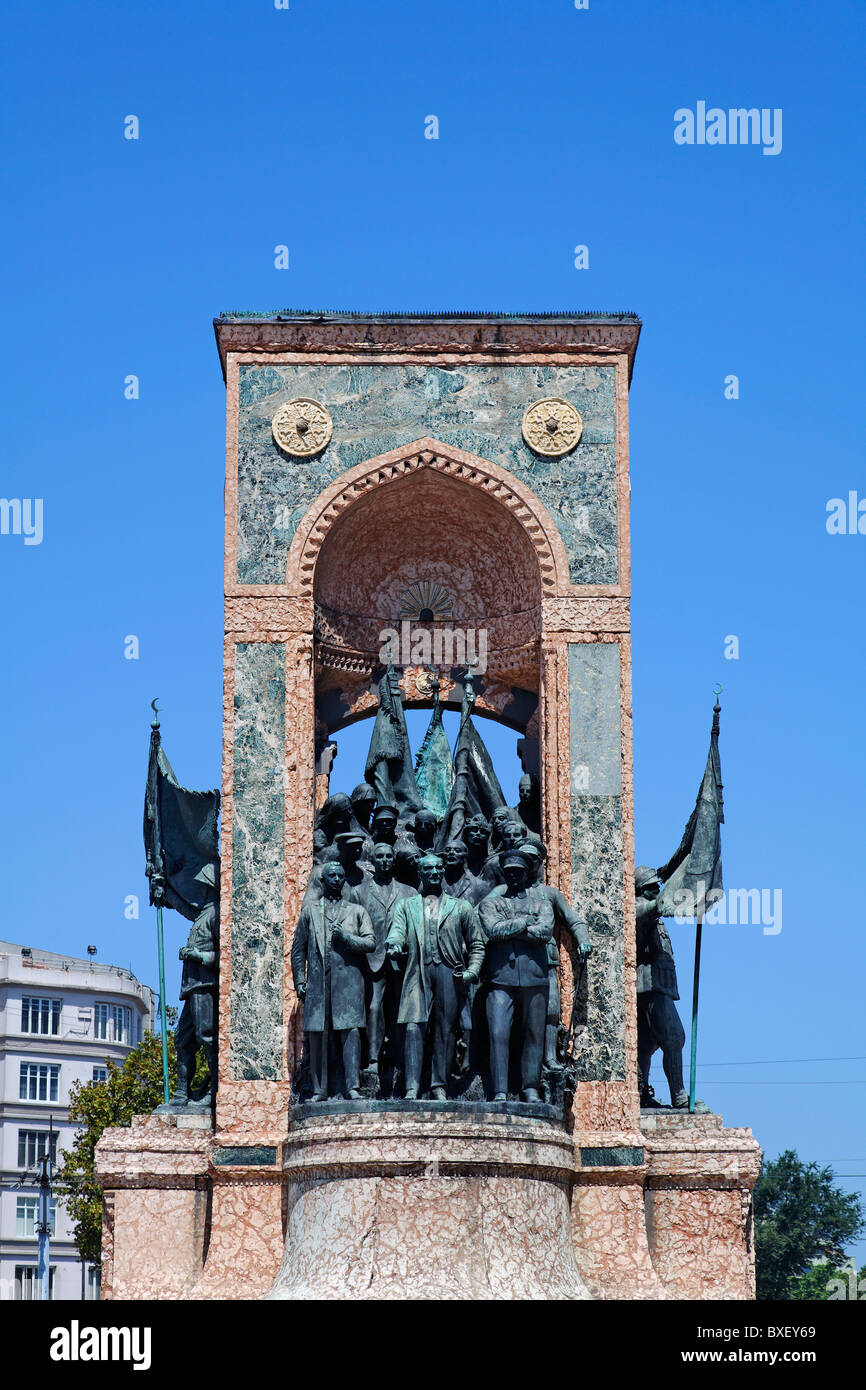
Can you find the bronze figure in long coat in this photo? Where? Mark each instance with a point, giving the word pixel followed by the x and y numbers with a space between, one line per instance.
pixel 444 949
pixel 318 950
pixel 461 946
pixel 331 940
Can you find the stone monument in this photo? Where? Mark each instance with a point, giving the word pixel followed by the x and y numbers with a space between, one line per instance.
pixel 443 479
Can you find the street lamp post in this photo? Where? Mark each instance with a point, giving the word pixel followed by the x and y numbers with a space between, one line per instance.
pixel 43 1228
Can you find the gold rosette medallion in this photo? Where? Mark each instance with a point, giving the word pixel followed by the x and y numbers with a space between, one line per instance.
pixel 552 427
pixel 302 427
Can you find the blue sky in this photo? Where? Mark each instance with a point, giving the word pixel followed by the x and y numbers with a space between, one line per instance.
pixel 305 127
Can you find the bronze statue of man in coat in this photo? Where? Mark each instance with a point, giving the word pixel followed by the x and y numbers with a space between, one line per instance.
pixel 379 895
pixel 441 939
pixel 331 940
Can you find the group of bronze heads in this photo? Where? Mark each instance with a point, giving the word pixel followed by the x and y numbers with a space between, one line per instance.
pixel 424 967
pixel 437 973
pixel 420 970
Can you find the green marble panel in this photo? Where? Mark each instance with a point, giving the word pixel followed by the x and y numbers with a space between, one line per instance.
pixel 595 742
pixel 257 862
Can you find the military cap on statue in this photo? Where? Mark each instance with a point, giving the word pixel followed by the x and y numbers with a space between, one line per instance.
pixel 513 858
pixel 363 792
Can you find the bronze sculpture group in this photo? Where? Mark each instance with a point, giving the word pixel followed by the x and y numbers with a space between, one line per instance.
pixel 426 955
pixel 424 969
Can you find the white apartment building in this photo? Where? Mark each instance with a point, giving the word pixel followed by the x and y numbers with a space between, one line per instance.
pixel 61 1019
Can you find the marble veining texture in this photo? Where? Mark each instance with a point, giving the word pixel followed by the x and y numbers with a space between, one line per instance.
pixel 610 1241
pixel 400 1206
pixel 391 1205
pixel 377 407
pixel 257 862
pixel 597 848
pixel 701 1242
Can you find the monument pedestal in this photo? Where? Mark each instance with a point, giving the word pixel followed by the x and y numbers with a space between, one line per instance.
pixel 428 1201
pixel 429 1204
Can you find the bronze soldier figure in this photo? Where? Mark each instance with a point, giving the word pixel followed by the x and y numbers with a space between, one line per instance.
pixel 568 921
pixel 498 820
pixel 333 819
pixel 363 800
pixel 459 882
pixel 476 834
pixel 518 925
pixel 198 987
pixel 383 825
pixel 423 829
pixel 348 847
pixel 658 1023
pixel 528 807
pixel 512 835
pixel 407 857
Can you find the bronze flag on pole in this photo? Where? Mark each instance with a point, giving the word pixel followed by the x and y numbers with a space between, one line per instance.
pixel 180 835
pixel 434 769
pixel 389 768
pixel 476 789
pixel 692 877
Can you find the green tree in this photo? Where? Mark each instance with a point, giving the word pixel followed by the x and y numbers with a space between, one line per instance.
pixel 135 1088
pixel 824 1281
pixel 800 1216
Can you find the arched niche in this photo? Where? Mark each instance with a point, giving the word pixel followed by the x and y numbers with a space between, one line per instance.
pixel 430 511
pixel 436 517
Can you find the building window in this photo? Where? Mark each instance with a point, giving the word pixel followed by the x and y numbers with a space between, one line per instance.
pixel 100 1073
pixel 38 1081
pixel 93 1286
pixel 120 1023
pixel 27 1282
pixel 40 1015
pixel 27 1217
pixel 100 1020
pixel 33 1146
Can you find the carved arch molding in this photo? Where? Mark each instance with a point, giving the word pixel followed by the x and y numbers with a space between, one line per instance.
pixel 333 555
pixel 470 469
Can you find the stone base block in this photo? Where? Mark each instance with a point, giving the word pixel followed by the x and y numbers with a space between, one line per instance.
pixel 154 1180
pixel 428 1206
pixel 246 1237
pixel 700 1178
